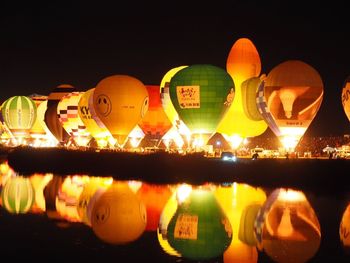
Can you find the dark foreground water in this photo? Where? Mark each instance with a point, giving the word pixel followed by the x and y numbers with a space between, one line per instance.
pixel 47 237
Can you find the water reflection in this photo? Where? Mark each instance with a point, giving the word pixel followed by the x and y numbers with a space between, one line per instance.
pixel 229 222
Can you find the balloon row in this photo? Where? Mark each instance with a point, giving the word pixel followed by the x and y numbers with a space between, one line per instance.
pixel 201 99
pixel 198 223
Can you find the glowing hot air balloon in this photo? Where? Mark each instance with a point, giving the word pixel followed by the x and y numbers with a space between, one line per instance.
pixel 201 95
pixel 97 129
pixel 67 111
pixel 51 118
pixel 242 119
pixel 289 100
pixel 345 97
pixel 19 113
pixel 155 123
pixel 120 102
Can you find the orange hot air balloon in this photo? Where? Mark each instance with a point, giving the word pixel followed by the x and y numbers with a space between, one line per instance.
pixel 37 131
pixel 154 197
pixel 243 63
pixel 51 118
pixel 155 123
pixel 120 102
pixel 345 97
pixel 290 99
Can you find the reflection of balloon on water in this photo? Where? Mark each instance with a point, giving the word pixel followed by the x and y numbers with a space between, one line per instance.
pixel 120 102
pixel 199 229
pixel 118 216
pixel 39 182
pixel 289 100
pixel 201 95
pixel 287 228
pixel 19 113
pixel 18 195
pixel 345 97
pixel 234 199
pixel 344 229
pixel 241 121
pixel 154 197
pixel 89 190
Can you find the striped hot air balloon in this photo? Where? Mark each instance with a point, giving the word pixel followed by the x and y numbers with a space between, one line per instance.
pixel 18 195
pixel 19 113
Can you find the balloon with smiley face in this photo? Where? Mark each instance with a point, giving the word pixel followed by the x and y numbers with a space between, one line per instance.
pixel 118 216
pixel 120 102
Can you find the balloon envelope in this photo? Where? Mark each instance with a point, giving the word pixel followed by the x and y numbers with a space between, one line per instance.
pixel 51 118
pixel 19 113
pixel 120 102
pixel 243 63
pixel 293 93
pixel 345 97
pixel 201 95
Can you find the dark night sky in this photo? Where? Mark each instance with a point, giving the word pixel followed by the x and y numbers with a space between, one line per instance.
pixel 42 46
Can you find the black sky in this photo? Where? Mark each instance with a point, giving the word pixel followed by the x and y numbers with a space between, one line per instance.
pixel 42 46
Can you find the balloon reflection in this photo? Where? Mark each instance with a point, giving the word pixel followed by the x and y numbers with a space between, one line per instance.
pixel 287 228
pixel 227 222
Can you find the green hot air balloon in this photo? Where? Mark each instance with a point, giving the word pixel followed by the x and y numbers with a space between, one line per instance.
pixel 19 113
pixel 201 95
pixel 199 229
pixel 18 195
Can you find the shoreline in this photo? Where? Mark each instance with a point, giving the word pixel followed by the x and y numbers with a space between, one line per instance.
pixel 316 175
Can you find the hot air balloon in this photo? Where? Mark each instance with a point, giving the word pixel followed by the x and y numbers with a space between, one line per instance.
pixel 51 118
pixel 18 195
pixel 38 132
pixel 201 95
pixel 118 216
pixel 49 139
pixel 242 119
pixel 199 229
pixel 287 228
pixel 155 123
pixel 67 111
pixel 97 129
pixel 168 105
pixel 120 102
pixel 19 113
pixel 289 100
pixel 345 97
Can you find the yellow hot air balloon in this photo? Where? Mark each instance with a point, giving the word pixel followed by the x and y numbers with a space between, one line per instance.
pixel 120 101
pixel 345 97
pixel 243 63
pixel 37 132
pixel 168 106
pixel 96 129
pixel 118 216
pixel 290 99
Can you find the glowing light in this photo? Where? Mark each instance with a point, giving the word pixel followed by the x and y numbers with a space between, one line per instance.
pixel 183 191
pixel 234 140
pixel 291 195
